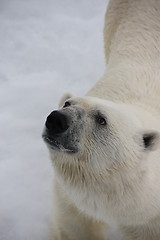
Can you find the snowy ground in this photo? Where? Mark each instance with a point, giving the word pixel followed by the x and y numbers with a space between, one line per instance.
pixel 47 47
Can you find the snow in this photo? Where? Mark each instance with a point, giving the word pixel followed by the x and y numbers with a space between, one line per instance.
pixel 48 47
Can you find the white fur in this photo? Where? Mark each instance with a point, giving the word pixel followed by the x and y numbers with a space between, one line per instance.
pixel 117 182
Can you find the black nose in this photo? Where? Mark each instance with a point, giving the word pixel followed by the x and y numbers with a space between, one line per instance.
pixel 57 122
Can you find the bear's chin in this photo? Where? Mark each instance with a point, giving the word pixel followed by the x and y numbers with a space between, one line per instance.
pixel 57 146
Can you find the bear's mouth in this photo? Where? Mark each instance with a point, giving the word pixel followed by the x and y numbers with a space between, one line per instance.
pixel 62 132
pixel 57 145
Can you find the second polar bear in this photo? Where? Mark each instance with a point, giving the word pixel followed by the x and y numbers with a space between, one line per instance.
pixel 105 147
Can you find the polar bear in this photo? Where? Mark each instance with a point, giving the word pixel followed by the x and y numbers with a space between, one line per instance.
pixel 105 146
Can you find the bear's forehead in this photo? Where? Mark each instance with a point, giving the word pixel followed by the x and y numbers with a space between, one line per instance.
pixel 91 103
pixel 116 112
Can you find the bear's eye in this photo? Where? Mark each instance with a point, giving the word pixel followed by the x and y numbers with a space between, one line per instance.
pixel 101 121
pixel 67 104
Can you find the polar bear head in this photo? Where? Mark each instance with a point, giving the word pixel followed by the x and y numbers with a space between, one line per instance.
pixel 97 129
pixel 91 140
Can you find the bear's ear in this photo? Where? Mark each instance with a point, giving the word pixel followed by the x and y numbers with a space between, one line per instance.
pixel 151 140
pixel 64 98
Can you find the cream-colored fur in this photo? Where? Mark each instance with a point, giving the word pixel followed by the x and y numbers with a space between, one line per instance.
pixel 114 180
